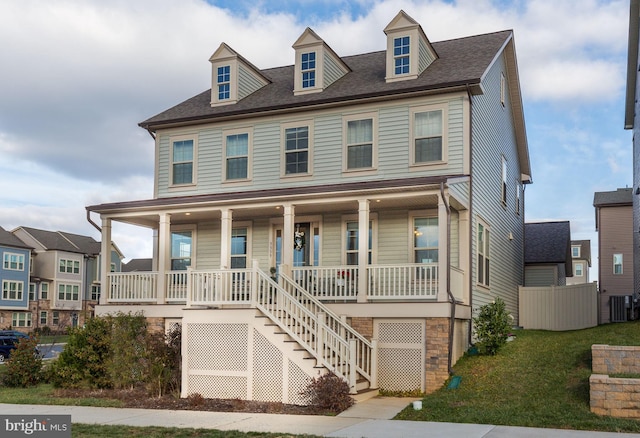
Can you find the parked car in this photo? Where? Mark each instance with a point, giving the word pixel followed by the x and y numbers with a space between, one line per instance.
pixel 14 333
pixel 9 343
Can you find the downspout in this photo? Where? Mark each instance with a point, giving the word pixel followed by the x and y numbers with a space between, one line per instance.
pixel 452 300
pixel 93 223
pixel 470 274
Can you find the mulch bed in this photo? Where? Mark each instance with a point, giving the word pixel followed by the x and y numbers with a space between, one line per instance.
pixel 139 398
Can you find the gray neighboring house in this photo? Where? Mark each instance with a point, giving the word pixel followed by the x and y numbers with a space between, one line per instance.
pixel 581 260
pixel 138 265
pixel 616 250
pixel 547 253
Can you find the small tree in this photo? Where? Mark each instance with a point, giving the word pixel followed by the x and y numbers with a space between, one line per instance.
pixel 492 327
pixel 24 366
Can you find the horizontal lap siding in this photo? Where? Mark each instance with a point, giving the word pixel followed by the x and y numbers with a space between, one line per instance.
pixel 208 245
pixel 393 140
pixel 209 159
pixel 493 136
pixel 331 240
pixel 393 237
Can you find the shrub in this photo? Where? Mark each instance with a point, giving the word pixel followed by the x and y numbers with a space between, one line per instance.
pixel 492 327
pixel 329 392
pixel 24 366
pixel 128 350
pixel 163 362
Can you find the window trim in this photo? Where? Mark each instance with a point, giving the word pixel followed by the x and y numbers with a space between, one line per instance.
pixel 578 248
pixel 420 214
pixel 575 270
pixel 233 81
pixel 178 229
pixel 373 116
pixel 312 71
pixel 400 56
pixel 66 261
pixel 19 291
pixel 444 108
pixel 223 83
pixel 248 253
pixel 65 292
pixel 6 261
pixel 194 167
pixel 283 148
pixel 373 223
pixel 27 319
pixel 485 254
pixel 225 135
pixel 95 292
pixel 42 291
pixel 46 317
pixel 621 264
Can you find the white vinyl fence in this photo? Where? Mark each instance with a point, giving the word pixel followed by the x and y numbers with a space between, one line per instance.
pixel 559 307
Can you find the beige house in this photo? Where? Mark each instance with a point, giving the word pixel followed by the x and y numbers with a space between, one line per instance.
pixel 580 261
pixel 341 214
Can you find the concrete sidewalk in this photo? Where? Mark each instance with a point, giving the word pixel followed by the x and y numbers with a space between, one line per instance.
pixel 370 419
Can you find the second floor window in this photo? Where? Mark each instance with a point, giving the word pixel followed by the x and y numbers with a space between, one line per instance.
pixel 224 82
pixel 32 291
pixel 308 70
pixel 617 264
pixel 13 262
pixel 579 270
pixel 428 138
pixel 296 150
pixel 95 292
pixel 182 162
pixel 360 144
pixel 401 55
pixel 237 156
pixel 12 290
pixel 69 266
pixel 68 292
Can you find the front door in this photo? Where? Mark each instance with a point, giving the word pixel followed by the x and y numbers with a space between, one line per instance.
pixel 306 244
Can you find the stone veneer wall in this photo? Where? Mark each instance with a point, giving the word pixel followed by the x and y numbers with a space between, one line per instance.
pixel 616 397
pixel 437 360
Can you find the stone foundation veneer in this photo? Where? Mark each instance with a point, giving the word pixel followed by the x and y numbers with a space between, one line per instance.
pixel 616 397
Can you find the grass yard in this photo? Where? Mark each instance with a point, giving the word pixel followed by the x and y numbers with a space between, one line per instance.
pixel 541 379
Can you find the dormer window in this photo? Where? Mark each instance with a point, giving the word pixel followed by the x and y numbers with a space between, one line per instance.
pixel 224 82
pixel 308 69
pixel 401 55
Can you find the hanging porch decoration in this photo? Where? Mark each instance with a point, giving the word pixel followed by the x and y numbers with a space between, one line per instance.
pixel 298 239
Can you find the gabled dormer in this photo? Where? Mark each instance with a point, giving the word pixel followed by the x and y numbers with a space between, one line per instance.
pixel 232 77
pixel 317 66
pixel 409 51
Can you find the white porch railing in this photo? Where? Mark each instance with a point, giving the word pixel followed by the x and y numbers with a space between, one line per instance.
pixel 403 282
pixel 228 286
pixel 133 287
pixel 328 283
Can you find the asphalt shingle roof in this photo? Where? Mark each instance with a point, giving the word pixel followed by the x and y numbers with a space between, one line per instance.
pixel 9 239
pixel 57 240
pixel 137 265
pixel 620 196
pixel 461 61
pixel 547 242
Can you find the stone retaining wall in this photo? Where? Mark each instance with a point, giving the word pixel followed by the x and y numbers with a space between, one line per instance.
pixel 616 397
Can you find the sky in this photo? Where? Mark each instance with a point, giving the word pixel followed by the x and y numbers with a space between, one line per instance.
pixel 77 76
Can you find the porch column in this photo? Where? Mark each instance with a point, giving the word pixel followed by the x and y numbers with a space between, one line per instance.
pixel 226 227
pixel 164 254
pixel 443 269
pixel 105 261
pixel 287 236
pixel 363 249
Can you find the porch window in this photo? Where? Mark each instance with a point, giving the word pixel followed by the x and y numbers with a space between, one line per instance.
pixel 239 248
pixel 181 243
pixel 428 135
pixel 425 239
pixel 617 264
pixel 237 156
pixel 359 144
pixel 182 162
pixel 483 255
pixel 352 242
pixel 296 150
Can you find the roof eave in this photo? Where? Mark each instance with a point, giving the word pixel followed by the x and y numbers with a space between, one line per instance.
pixel 632 63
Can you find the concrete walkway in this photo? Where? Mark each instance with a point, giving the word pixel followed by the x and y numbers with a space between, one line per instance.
pixel 367 419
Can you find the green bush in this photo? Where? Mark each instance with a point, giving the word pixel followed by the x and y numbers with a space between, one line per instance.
pixel 128 350
pixel 329 393
pixel 24 366
pixel 492 326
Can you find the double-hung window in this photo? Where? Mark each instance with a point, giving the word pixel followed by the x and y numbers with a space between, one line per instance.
pixel 21 319
pixel 579 269
pixel 296 150
pixel 575 252
pixel 223 81
pixel 352 240
pixel 182 162
pixel 69 266
pixel 12 290
pixel 360 144
pixel 425 239
pixel 68 292
pixel 401 49
pixel 13 262
pixel 239 246
pixel 44 291
pixel 43 317
pixel 617 264
pixel 428 138
pixel 483 255
pixel 181 250
pixel 237 156
pixel 308 70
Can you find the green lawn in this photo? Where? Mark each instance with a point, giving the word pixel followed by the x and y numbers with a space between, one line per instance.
pixel 541 379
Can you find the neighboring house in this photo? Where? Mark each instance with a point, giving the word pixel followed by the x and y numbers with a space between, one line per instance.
pixel 547 253
pixel 614 224
pixel 136 265
pixel 581 261
pixel 15 256
pixel 383 192
pixel 631 121
pixel 65 278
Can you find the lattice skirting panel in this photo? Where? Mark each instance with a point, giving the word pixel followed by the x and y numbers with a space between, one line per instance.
pixel 236 360
pixel 401 355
